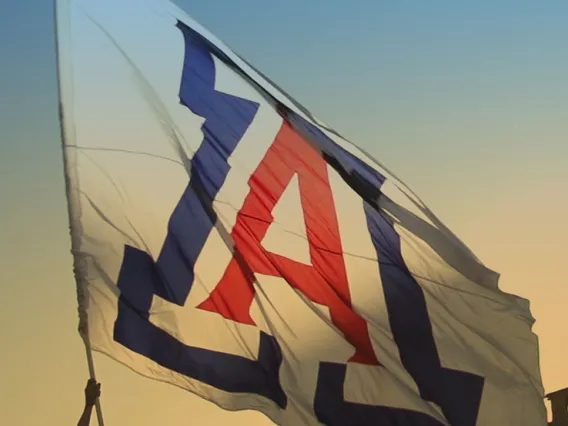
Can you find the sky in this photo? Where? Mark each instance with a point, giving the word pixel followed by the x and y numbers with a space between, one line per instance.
pixel 465 101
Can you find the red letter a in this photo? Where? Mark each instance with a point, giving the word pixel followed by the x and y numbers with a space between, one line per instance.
pixel 325 282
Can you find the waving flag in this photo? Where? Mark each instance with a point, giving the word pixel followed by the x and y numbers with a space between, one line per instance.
pixel 229 243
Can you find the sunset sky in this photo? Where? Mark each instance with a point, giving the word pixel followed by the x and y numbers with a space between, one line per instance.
pixel 466 103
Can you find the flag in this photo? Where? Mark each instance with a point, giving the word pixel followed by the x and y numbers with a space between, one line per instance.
pixel 228 242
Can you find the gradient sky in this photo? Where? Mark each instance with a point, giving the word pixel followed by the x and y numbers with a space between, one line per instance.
pixel 466 102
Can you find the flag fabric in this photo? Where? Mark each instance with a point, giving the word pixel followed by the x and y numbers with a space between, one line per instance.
pixel 229 243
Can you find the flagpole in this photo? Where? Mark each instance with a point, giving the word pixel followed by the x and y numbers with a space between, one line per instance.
pixel 83 323
pixel 91 364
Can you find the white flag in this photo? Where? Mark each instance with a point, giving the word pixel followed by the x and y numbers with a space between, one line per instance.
pixel 229 243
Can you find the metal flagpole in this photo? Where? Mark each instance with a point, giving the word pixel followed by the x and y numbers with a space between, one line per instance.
pixel 58 26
